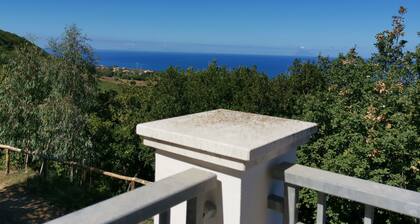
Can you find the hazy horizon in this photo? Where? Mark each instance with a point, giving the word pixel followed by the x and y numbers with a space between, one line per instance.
pixel 298 28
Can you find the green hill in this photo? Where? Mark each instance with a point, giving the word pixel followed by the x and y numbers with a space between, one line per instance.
pixel 8 42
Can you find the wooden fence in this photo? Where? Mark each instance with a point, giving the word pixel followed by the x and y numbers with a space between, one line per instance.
pixel 8 149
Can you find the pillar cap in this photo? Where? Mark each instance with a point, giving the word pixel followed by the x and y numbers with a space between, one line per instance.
pixel 227 134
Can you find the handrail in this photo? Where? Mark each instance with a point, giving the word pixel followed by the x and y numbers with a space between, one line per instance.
pixel 142 203
pixel 367 192
pixel 72 163
pixel 11 148
pixel 370 193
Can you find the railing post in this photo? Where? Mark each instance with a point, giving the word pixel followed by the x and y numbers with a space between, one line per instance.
pixel 369 214
pixel 290 215
pixel 195 210
pixel 7 162
pixel 320 208
pixel 165 217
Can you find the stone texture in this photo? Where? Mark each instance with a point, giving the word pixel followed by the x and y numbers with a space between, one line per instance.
pixel 226 133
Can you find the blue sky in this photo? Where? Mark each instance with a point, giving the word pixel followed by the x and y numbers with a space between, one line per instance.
pixel 245 27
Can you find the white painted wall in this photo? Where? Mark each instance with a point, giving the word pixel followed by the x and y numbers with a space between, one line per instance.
pixel 231 193
pixel 244 194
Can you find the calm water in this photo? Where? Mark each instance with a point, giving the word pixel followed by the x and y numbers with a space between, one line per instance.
pixel 159 61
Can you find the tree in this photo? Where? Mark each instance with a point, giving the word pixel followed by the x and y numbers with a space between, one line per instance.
pixel 45 100
pixel 64 114
pixel 368 123
pixel 74 68
pixel 23 88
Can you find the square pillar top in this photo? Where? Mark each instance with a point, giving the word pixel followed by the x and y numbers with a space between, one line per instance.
pixel 228 134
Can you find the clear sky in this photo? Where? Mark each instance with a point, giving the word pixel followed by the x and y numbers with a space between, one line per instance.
pixel 295 27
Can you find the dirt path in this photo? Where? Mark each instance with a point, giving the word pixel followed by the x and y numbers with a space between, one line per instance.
pixel 19 206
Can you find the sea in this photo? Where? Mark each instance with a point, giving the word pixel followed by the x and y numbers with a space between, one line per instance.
pixel 270 65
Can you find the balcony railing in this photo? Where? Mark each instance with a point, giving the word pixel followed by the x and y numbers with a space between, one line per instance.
pixel 247 153
pixel 159 197
pixel 369 193
pixel 155 198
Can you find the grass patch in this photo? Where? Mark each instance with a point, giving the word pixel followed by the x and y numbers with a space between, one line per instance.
pixel 14 177
pixel 106 85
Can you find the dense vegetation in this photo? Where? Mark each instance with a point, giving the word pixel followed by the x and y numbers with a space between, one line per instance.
pixel 367 111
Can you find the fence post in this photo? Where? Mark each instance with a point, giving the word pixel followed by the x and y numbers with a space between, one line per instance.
pixel 7 162
pixel 44 168
pixel 71 173
pixel 133 185
pixel 83 175
pixel 90 178
pixel 26 162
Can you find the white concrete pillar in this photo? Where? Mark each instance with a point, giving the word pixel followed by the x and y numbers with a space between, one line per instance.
pixel 239 147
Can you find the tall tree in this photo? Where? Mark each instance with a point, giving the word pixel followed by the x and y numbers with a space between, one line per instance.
pixel 74 67
pixel 45 99
pixel 64 113
pixel 23 88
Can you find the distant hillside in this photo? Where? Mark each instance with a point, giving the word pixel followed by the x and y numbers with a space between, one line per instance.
pixel 8 42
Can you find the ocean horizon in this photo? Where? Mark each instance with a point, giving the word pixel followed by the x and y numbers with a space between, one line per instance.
pixel 271 65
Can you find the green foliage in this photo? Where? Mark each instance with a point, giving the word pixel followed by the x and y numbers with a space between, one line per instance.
pixel 181 92
pixel 112 128
pixel 64 113
pixel 10 41
pixel 369 125
pixel 45 99
pixel 23 89
pixel 74 69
